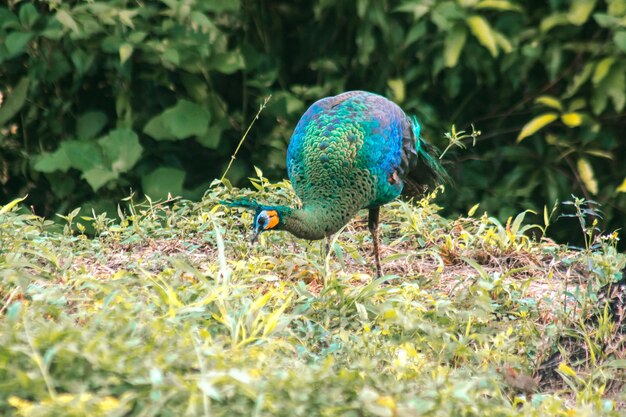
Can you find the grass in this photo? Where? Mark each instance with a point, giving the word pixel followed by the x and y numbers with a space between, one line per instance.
pixel 168 311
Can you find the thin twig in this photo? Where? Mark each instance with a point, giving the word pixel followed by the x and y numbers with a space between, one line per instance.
pixel 232 158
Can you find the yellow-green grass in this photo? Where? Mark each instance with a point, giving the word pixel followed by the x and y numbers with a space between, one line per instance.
pixel 169 311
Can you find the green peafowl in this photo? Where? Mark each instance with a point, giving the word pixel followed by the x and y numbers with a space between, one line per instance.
pixel 349 152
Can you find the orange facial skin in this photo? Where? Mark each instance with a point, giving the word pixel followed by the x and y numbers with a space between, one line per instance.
pixel 273 215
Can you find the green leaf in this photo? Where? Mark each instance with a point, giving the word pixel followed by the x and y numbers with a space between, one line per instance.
pixel 54 161
pixel 481 271
pixel 162 181
pixel 579 79
pixel 211 139
pixel 28 15
pixel 121 149
pixel 83 155
pixel 397 87
pixel 89 124
pixel 585 171
pixel 602 69
pixel 14 101
pixel 572 119
pixel 98 177
pixel 53 30
pixel 536 124
pixel 82 60
pixel 8 20
pixel 549 101
pixel 577 104
pixel 67 20
pixel 606 21
pixel 186 119
pixel 599 153
pixel 416 32
pixel 126 50
pixel 617 8
pixel 137 37
pixel 9 206
pixel 227 63
pixel 580 10
pixel 126 17
pixel 172 55
pixel 498 5
pixel 482 31
pixel 111 44
pixel 616 85
pixel 503 42
pixel 599 98
pixel 553 20
pixel 612 85
pixel 453 45
pixel 202 20
pixel 563 367
pixel 183 120
pixel 157 130
pixel 16 43
pixel 620 40
pixel 196 87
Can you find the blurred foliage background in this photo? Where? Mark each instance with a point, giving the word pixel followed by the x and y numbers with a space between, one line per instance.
pixel 104 96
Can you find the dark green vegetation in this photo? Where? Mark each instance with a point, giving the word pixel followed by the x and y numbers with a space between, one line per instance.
pixel 170 312
pixel 104 96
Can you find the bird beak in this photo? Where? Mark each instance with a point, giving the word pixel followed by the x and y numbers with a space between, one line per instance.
pixel 255 235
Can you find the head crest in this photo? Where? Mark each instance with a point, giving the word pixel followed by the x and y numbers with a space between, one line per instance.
pixel 242 203
pixel 415 125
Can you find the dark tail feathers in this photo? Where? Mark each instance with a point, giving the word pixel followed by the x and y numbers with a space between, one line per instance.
pixel 429 155
pixel 428 169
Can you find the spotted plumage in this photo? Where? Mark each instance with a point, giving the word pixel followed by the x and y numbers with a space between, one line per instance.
pixel 349 152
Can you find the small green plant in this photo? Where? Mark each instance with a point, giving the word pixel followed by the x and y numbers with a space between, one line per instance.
pixel 455 138
pixel 68 228
pixel 588 214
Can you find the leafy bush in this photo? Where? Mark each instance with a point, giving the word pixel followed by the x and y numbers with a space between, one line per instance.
pixel 109 89
pixel 106 95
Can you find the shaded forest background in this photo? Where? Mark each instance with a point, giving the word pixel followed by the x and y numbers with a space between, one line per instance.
pixel 103 97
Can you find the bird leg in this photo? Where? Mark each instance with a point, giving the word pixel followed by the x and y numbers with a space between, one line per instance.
pixel 372 223
pixel 327 245
pixel 327 255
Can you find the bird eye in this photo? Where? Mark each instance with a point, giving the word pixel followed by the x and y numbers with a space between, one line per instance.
pixel 262 221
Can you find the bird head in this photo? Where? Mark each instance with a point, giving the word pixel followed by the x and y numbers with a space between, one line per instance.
pixel 265 217
pixel 264 220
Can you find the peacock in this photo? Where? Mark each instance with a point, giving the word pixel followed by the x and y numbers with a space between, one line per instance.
pixel 356 150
